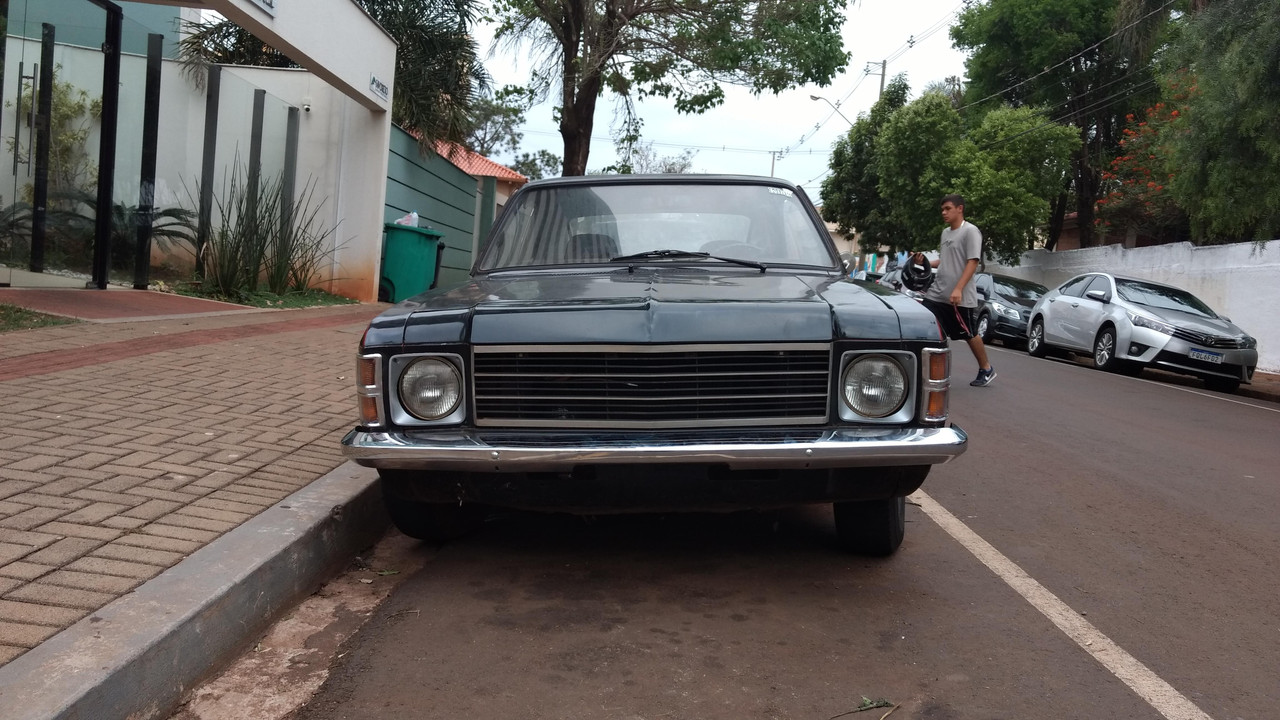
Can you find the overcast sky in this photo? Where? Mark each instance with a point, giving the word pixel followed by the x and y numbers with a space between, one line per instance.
pixel 777 134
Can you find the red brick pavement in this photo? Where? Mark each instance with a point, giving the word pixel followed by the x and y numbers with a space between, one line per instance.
pixel 58 360
pixel 128 446
pixel 111 304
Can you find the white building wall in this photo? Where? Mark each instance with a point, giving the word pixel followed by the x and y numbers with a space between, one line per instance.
pixel 1241 281
pixel 343 149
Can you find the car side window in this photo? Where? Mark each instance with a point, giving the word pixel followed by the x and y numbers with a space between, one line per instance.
pixel 1076 286
pixel 984 284
pixel 1099 283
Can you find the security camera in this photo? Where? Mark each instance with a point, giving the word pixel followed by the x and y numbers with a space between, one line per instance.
pixel 306 107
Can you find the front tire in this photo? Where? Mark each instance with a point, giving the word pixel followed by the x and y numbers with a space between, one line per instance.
pixel 421 520
pixel 1222 385
pixel 984 328
pixel 1104 350
pixel 1035 339
pixel 871 527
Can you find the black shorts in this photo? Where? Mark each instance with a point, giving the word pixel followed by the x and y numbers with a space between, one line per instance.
pixel 957 322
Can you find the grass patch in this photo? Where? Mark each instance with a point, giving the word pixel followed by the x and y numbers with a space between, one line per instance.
pixel 290 300
pixel 13 317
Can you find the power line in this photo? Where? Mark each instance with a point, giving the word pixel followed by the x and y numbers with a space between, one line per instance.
pixel 1107 101
pixel 1073 57
pixel 943 22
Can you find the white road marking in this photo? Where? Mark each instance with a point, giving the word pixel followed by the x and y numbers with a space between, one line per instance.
pixel 1215 396
pixel 1193 391
pixel 1149 686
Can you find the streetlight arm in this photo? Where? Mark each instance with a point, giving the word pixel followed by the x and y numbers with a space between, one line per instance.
pixel 833 107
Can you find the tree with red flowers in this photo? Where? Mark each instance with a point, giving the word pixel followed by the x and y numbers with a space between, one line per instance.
pixel 1136 198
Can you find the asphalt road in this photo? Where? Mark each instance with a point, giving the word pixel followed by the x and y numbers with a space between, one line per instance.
pixel 1103 550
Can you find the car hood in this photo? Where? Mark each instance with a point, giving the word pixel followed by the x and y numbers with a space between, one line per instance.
pixel 654 306
pixel 1014 301
pixel 1190 321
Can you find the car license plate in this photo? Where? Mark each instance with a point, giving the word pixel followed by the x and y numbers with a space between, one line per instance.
pixel 1206 356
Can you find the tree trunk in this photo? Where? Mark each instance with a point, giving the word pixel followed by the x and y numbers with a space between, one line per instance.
pixel 1086 195
pixel 1057 215
pixel 577 120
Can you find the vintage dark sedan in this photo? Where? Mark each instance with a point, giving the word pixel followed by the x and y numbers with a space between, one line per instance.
pixel 655 343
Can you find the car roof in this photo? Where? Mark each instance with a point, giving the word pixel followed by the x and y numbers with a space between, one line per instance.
pixel 669 178
pixel 1113 276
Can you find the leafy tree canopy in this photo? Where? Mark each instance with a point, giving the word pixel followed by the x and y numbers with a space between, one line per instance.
pixel 851 193
pixel 677 50
pixel 536 166
pixel 1006 169
pixel 1228 152
pixel 498 119
pixel 1059 55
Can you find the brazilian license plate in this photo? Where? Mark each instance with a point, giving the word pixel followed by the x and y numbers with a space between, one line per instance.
pixel 1205 355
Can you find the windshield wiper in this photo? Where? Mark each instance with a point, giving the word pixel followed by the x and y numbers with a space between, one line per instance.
pixel 687 254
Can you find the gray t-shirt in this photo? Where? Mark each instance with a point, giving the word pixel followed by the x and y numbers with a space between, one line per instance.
pixel 956 248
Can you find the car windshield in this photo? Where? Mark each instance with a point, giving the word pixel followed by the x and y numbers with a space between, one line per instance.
pixel 1162 297
pixel 1025 289
pixel 660 222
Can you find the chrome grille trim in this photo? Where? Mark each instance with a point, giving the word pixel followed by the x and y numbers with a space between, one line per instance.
pixel 1211 341
pixel 651 386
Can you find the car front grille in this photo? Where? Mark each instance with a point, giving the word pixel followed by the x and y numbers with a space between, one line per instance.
pixel 1212 341
pixel 657 387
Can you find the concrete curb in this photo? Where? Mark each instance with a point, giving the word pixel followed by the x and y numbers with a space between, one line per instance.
pixel 135 658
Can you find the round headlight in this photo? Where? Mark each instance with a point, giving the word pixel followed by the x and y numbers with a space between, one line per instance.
pixel 430 388
pixel 874 386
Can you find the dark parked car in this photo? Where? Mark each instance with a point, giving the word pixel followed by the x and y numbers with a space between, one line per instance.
pixel 1005 306
pixel 655 343
pixel 1128 324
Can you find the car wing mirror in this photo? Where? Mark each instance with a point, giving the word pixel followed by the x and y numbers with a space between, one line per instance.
pixel 1099 295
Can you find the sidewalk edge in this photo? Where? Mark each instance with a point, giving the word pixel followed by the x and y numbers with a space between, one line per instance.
pixel 135 658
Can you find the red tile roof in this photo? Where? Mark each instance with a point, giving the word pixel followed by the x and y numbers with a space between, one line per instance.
pixel 476 164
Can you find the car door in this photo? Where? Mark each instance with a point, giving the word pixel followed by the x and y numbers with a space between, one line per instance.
pixel 1060 317
pixel 1078 313
pixel 1090 313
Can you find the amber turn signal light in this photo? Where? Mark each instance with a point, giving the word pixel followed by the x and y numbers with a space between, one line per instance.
pixel 368 410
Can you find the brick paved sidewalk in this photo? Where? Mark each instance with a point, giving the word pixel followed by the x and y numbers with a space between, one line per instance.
pixel 128 446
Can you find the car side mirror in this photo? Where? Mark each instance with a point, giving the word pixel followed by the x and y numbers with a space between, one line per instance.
pixel 1099 295
pixel 982 292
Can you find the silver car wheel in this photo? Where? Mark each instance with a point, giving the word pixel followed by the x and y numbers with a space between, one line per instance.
pixel 1035 339
pixel 1104 350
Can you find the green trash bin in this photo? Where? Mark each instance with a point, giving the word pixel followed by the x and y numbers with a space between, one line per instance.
pixel 410 261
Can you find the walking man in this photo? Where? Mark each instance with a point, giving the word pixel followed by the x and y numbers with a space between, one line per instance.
pixel 953 296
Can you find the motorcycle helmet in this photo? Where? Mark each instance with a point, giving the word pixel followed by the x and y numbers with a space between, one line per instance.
pixel 917 276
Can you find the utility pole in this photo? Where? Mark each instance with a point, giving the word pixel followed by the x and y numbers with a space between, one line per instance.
pixel 883 65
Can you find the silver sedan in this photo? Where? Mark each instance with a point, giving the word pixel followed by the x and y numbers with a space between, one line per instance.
pixel 1128 324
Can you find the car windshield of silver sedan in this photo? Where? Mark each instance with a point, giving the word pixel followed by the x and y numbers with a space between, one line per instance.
pixel 1162 297
pixel 626 223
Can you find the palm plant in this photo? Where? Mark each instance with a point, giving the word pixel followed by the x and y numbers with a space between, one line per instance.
pixel 172 228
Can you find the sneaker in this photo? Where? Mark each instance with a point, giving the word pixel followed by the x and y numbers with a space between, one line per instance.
pixel 984 378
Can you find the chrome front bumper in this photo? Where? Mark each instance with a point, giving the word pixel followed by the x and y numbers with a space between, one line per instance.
pixel 528 451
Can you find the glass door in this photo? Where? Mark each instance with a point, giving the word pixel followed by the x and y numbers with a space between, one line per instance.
pixel 50 130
